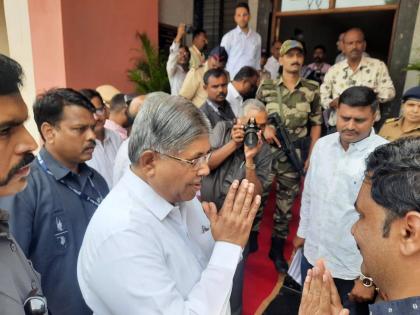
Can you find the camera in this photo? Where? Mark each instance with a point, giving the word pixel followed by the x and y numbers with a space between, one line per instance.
pixel 251 133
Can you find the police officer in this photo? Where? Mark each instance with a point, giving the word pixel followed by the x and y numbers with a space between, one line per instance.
pixel 20 287
pixel 297 102
pixel 409 122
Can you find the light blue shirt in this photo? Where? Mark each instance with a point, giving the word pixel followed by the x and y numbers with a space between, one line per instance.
pixel 327 211
pixel 243 50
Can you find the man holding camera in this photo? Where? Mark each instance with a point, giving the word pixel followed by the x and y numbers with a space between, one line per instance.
pixel 239 153
pixel 297 102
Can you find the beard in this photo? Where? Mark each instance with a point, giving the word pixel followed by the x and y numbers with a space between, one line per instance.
pixel 27 159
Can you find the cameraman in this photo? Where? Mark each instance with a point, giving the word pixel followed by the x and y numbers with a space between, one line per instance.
pixel 232 159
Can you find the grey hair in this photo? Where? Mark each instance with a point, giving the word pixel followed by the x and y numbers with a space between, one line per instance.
pixel 253 104
pixel 166 125
pixel 160 96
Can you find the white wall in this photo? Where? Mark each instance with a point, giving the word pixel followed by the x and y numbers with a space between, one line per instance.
pixel 20 49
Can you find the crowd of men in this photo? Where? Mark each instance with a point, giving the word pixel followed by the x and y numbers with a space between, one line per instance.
pixel 106 218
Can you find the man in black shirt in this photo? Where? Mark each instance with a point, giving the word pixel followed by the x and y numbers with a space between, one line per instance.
pixel 216 108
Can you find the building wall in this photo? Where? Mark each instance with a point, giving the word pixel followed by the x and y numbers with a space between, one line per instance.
pixel 412 78
pixel 46 28
pixel 4 44
pixel 20 49
pixel 174 12
pixel 100 42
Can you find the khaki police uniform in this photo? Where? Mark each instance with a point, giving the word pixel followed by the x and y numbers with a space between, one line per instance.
pixel 18 279
pixel 392 129
pixel 300 108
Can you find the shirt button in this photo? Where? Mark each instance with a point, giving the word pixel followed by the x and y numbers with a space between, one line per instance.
pixel 13 247
pixel 33 285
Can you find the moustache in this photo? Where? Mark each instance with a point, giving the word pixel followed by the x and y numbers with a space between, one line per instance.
pixel 91 145
pixel 221 94
pixel 296 64
pixel 26 160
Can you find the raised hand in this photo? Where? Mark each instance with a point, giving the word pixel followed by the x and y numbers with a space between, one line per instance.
pixel 233 222
pixel 320 295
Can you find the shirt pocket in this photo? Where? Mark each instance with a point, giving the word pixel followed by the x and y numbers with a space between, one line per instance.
pixel 59 227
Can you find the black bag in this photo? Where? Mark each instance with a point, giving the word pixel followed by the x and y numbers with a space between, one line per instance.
pixel 287 300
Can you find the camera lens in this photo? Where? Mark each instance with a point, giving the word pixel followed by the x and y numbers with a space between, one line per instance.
pixel 251 134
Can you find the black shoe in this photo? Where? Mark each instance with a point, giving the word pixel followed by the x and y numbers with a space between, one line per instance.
pixel 276 254
pixel 281 265
pixel 253 242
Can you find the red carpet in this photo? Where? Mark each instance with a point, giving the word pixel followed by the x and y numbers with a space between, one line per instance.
pixel 260 274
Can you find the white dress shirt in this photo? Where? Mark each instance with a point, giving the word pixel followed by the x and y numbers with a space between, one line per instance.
pixel 327 212
pixel 243 50
pixel 103 156
pixel 235 100
pixel 122 162
pixel 176 73
pixel 273 67
pixel 142 255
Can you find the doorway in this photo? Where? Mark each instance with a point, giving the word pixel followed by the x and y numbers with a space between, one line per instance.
pixel 325 28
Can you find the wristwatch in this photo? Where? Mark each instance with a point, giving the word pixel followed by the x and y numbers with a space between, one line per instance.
pixel 366 281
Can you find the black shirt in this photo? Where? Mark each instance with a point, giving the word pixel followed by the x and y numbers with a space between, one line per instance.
pixel 216 113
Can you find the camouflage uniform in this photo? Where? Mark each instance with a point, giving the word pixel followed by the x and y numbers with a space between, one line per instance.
pixel 299 107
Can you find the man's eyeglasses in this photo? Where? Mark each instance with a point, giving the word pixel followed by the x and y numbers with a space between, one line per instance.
pixel 35 305
pixel 194 163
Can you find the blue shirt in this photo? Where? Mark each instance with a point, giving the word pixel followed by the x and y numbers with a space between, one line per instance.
pixel 49 221
pixel 409 306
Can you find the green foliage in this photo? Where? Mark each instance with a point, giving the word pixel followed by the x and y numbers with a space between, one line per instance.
pixel 149 73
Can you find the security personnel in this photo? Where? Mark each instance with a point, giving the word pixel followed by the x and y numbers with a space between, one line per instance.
pixel 20 286
pixel 297 101
pixel 409 122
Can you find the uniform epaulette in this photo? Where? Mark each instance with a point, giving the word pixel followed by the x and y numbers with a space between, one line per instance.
pixel 311 83
pixel 390 120
pixel 267 82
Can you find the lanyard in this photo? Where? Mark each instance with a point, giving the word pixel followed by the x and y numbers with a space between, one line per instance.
pixel 81 194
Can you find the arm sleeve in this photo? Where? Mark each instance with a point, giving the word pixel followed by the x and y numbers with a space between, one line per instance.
pixel 263 167
pixel 226 43
pixel 258 54
pixel 316 110
pixel 190 86
pixel 142 282
pixel 172 59
pixel 326 90
pixel 306 196
pixel 385 88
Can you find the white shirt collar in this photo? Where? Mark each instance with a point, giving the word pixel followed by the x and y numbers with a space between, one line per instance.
pixel 239 30
pixel 156 204
pixel 360 145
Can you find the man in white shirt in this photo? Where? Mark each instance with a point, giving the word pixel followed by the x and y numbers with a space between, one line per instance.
pixel 150 248
pixel 178 61
pixel 243 87
pixel 273 64
pixel 333 181
pixel 107 141
pixel 242 44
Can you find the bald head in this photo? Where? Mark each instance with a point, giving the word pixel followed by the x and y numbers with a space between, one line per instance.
pixel 354 44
